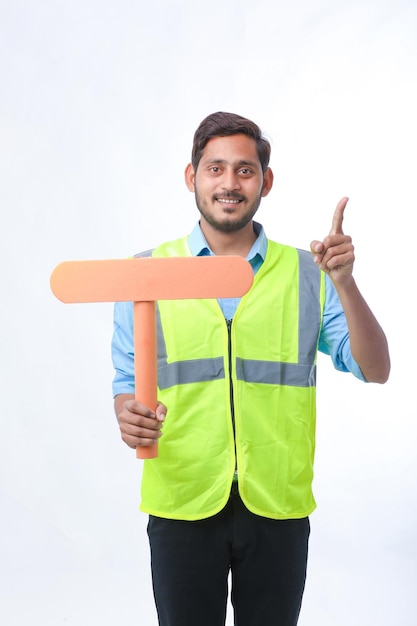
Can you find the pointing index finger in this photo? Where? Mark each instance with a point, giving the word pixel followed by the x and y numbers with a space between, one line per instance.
pixel 336 228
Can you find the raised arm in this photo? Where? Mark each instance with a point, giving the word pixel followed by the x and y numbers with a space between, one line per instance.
pixel 335 256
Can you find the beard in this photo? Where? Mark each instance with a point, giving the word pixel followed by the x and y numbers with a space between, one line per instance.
pixel 232 223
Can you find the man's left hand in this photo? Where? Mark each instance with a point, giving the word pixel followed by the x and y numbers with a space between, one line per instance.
pixel 335 254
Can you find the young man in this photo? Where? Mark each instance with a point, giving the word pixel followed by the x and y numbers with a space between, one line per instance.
pixel 231 487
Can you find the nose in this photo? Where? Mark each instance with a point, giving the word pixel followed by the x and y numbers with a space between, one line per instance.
pixel 230 180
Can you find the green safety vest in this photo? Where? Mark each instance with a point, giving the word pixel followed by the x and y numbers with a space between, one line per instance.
pixel 239 395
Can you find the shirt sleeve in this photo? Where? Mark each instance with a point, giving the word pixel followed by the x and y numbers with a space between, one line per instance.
pixel 122 349
pixel 334 336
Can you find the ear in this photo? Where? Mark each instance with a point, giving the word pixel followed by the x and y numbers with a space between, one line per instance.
pixel 268 181
pixel 189 177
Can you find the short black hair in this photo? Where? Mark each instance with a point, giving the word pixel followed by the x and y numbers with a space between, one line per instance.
pixel 222 124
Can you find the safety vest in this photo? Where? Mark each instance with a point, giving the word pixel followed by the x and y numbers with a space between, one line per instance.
pixel 240 394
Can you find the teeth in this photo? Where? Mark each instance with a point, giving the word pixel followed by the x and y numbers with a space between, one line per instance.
pixel 228 201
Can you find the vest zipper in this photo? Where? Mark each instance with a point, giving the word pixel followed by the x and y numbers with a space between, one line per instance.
pixel 232 404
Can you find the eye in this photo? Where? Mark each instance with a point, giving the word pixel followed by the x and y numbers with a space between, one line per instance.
pixel 214 169
pixel 245 171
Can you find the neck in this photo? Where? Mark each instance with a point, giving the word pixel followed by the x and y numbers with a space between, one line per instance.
pixel 234 243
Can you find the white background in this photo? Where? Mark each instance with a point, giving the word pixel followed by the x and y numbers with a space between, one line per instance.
pixel 99 102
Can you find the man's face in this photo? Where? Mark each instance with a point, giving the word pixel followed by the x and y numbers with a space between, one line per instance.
pixel 229 182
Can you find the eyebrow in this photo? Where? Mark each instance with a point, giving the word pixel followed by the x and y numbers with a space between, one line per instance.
pixel 237 164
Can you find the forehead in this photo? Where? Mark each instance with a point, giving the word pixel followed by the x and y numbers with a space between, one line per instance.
pixel 231 149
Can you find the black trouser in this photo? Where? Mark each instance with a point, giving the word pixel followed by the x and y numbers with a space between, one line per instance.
pixel 191 563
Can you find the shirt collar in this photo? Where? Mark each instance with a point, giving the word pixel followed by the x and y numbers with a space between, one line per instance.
pixel 199 246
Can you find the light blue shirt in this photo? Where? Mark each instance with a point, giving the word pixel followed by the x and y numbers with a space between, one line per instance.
pixel 199 247
pixel 333 340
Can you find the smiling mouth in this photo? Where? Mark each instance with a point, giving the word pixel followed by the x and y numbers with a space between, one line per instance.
pixel 229 201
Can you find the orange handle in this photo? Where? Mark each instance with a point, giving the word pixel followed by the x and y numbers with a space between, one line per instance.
pixel 144 326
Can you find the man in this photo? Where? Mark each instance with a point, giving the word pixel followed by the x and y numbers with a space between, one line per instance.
pixel 231 487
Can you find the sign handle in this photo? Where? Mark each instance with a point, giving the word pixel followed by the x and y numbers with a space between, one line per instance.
pixel 144 332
